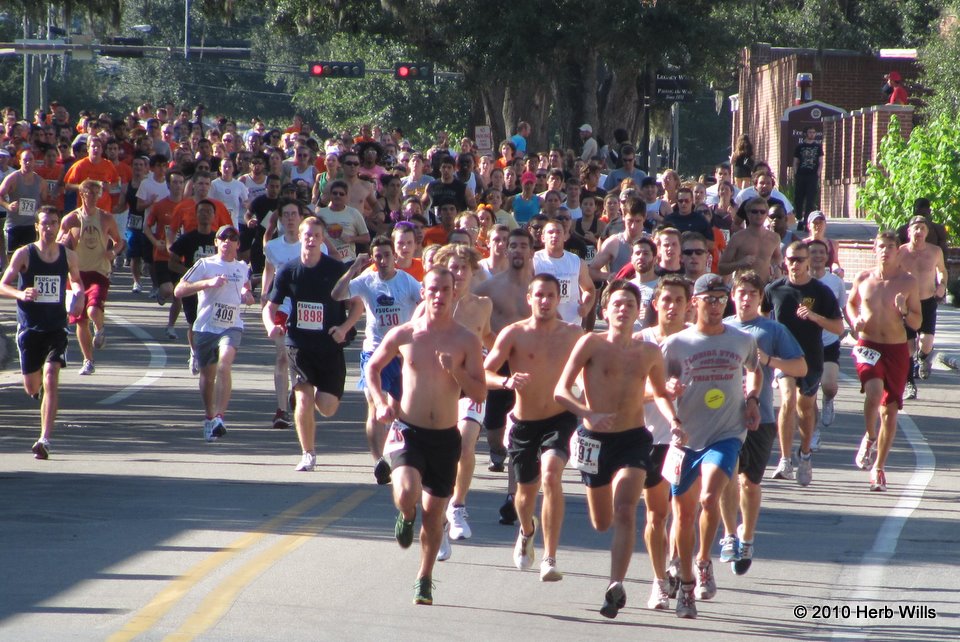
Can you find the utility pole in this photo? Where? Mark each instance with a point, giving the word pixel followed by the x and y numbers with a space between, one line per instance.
pixel 186 29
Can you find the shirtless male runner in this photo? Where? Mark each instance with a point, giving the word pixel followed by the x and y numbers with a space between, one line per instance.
pixel 473 313
pixel 754 247
pixel 925 261
pixel 508 293
pixel 883 302
pixel 538 441
pixel 612 447
pixel 441 359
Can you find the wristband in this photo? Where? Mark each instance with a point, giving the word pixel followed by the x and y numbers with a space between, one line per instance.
pixel 506 380
pixel 754 398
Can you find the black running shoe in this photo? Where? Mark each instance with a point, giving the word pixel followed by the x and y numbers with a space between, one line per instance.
pixel 382 472
pixel 508 513
pixel 404 531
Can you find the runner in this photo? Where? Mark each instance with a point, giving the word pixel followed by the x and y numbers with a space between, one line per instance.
pixel 279 252
pixel 670 299
pixel 316 333
pixel 577 292
pixel 93 233
pixel 441 359
pixel 612 446
pixel 222 284
pixel 390 297
pixel 774 342
pixel 508 293
pixel 883 301
pixel 37 278
pixel 705 364
pixel 21 194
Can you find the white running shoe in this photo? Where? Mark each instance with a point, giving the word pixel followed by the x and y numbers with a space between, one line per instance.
pixel 659 595
pixel 208 430
pixel 784 469
pixel 815 440
pixel 548 570
pixel 445 551
pixel 307 463
pixel 805 470
pixel 193 364
pixel 866 454
pixel 100 338
pixel 523 553
pixel 170 334
pixel 829 413
pixel 137 288
pixel 706 584
pixel 87 368
pixel 459 528
pixel 687 602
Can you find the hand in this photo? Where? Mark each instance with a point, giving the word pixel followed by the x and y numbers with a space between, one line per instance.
pixel 753 416
pixel 338 333
pixel 584 308
pixel 385 414
pixel 248 298
pixel 29 294
pixel 518 381
pixel 838 271
pixel 601 421
pixel 763 357
pixel 859 324
pixel 804 312
pixel 941 291
pixel 675 388
pixel 748 260
pixel 215 282
pixel 363 260
pixel 79 300
pixel 252 223
pixel 446 361
pixel 677 435
pixel 14 207
pixel 899 301
pixel 276 331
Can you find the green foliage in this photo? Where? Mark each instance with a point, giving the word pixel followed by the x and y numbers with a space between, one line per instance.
pixel 926 166
pixel 941 64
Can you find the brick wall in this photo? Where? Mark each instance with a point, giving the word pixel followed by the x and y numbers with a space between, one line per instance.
pixel 857 256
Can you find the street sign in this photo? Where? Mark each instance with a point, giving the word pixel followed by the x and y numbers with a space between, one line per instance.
pixel 674 88
pixel 483 138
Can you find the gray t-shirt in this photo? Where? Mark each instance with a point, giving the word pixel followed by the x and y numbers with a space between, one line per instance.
pixel 712 407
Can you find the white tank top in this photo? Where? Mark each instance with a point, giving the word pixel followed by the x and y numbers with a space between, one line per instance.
pixel 567 271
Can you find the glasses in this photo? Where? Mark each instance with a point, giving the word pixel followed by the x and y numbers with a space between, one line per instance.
pixel 534 229
pixel 352 163
pixel 757 211
pixel 694 252
pixel 627 159
pixel 338 193
pixel 710 299
pixel 563 218
pixel 229 236
pixel 796 259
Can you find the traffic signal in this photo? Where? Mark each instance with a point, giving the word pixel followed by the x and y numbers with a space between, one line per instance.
pixel 337 69
pixel 117 47
pixel 413 70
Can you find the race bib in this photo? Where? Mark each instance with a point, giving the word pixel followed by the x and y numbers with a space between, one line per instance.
pixel 585 453
pixel 387 317
pixel 309 315
pixel 673 464
pixel 591 253
pixel 395 442
pixel 47 287
pixel 135 222
pixel 52 187
pixel 27 206
pixel 866 355
pixel 224 315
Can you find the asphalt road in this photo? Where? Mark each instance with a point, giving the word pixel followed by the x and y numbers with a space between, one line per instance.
pixel 137 528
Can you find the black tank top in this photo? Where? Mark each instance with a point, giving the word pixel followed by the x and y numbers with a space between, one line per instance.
pixel 47 312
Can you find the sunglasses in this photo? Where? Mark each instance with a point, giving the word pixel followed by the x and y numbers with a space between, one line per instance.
pixel 229 236
pixel 796 259
pixel 757 211
pixel 352 163
pixel 710 299
pixel 563 218
pixel 694 252
pixel 338 193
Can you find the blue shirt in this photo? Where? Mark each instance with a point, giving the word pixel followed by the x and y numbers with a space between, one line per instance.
pixel 520 142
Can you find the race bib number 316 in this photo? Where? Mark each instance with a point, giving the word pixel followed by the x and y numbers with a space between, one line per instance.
pixel 47 287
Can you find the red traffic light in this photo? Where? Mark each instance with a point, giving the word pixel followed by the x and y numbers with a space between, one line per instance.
pixel 337 69
pixel 412 70
pixel 403 71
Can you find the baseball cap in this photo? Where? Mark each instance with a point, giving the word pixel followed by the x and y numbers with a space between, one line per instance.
pixel 710 283
pixel 528 177
pixel 919 219
pixel 586 128
pixel 895 76
pixel 815 215
pixel 647 180
pixel 225 232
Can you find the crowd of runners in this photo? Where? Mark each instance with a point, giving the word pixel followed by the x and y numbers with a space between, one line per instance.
pixel 481 279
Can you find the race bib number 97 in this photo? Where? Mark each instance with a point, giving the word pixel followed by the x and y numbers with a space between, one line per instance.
pixel 309 315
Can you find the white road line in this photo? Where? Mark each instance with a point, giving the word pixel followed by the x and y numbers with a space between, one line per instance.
pixel 158 359
pixel 869 582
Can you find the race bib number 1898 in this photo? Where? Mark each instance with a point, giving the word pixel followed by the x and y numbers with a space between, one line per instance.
pixel 309 315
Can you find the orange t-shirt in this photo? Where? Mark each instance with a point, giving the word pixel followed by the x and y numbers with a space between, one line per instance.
pixel 52 176
pixel 101 171
pixel 161 216
pixel 126 175
pixel 415 269
pixel 435 235
pixel 185 215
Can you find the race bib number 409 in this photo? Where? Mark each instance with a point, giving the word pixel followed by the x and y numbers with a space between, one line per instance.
pixel 309 315
pixel 224 315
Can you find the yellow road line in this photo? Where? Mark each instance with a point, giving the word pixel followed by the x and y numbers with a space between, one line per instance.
pixel 174 592
pixel 221 598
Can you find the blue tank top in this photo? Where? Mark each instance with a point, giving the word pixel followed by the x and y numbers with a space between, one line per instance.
pixel 47 312
pixel 524 210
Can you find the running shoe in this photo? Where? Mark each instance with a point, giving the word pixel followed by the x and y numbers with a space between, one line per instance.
pixel 100 338
pixel 154 292
pixel 193 364
pixel 281 420
pixel 459 528
pixel 308 462
pixel 508 513
pixel 686 602
pixel 878 480
pixel 910 392
pixel 423 591
pixel 706 587
pixel 170 334
pixel 137 288
pixel 87 368
pixel 549 571
pixel 729 549
pixel 445 550
pixel 925 364
pixel 523 553
pixel 866 454
pixel 159 298
pixel 218 427
pixel 815 440
pixel 784 469
pixel 659 595
pixel 742 565
pixel 613 600
pixel 805 470
pixel 829 412
pixel 382 472
pixel 496 464
pixel 41 449
pixel 673 577
pixel 403 531
pixel 208 430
